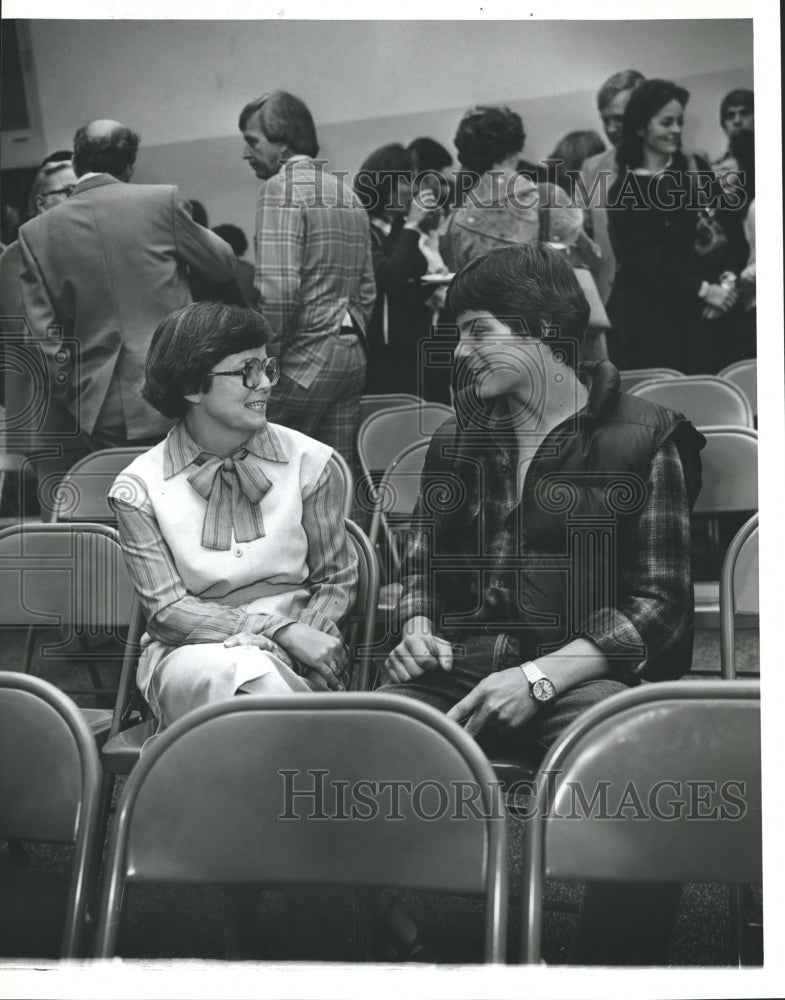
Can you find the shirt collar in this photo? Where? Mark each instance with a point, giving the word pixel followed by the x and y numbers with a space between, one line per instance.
pixel 180 449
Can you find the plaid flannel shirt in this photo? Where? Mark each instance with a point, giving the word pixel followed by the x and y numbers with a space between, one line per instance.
pixel 313 263
pixel 655 588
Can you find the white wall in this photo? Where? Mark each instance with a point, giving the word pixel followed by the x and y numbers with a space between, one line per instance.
pixel 183 80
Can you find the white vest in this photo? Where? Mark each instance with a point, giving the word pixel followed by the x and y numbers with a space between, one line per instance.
pixel 265 575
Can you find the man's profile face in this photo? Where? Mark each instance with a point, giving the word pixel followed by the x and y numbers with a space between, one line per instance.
pixel 499 361
pixel 56 188
pixel 738 118
pixel 262 155
pixel 612 116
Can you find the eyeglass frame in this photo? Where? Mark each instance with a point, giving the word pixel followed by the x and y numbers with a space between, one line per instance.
pixel 249 365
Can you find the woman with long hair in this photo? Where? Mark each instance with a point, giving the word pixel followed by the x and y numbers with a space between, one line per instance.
pixel 666 276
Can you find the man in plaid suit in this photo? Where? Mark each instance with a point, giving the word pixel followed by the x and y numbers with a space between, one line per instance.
pixel 313 272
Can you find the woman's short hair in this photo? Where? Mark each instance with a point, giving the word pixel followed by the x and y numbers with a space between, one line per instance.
pixel 284 118
pixel 487 135
pixel 189 343
pixel 645 101
pixel 374 182
pixel 527 287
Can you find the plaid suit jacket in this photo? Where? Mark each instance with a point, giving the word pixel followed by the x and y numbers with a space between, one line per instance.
pixel 313 263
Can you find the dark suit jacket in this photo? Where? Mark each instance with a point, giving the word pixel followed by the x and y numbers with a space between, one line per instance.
pixel 105 267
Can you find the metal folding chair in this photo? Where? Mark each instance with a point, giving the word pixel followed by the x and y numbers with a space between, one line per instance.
pixel 744 375
pixel 706 400
pixel 49 785
pixel 227 796
pixel 659 740
pixel 739 593
pixel 634 376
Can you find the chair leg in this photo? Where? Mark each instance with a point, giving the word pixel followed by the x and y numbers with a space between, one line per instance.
pixel 741 906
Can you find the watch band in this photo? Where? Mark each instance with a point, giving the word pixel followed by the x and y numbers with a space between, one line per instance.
pixel 532 672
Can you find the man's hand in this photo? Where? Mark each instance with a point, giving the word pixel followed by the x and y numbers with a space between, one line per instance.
pixel 502 698
pixel 315 649
pixel 418 651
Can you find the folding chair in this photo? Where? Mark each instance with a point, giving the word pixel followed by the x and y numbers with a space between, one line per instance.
pixel 49 782
pixel 387 432
pixel 81 494
pixel 744 375
pixel 633 376
pixel 384 401
pixel 659 740
pixel 739 592
pixel 730 487
pixel 228 795
pixel 706 400
pixel 340 469
pixel 72 577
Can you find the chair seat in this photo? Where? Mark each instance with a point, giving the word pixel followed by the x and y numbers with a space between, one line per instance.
pixel 99 720
pixel 120 753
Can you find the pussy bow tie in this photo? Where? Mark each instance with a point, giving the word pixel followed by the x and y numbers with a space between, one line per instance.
pixel 233 488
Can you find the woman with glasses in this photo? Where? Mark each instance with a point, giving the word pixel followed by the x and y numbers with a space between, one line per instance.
pixel 231 527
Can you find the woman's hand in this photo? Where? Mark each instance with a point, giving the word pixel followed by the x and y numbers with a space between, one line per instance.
pixel 315 649
pixel 251 639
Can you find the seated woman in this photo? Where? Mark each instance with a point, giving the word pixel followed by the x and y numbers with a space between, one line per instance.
pixel 231 527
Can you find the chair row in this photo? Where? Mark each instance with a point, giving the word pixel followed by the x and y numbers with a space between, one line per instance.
pixel 713 401
pixel 253 820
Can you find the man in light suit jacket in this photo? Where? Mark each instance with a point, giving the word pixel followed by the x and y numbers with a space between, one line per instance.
pixel 599 172
pixel 314 272
pixel 100 272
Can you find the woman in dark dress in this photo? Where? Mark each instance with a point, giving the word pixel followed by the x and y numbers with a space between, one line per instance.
pixel 404 309
pixel 663 287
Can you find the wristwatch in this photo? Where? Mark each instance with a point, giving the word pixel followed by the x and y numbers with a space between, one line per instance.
pixel 542 690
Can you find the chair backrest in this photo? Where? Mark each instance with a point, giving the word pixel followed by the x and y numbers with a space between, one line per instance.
pixel 706 400
pixel 297 790
pixel 659 783
pixel 395 497
pixel 362 620
pixel 744 375
pixel 49 783
pixel 372 402
pixel 739 591
pixel 387 432
pixel 729 471
pixel 340 469
pixel 67 575
pixel 81 494
pixel 633 376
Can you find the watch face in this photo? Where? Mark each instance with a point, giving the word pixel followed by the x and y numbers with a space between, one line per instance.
pixel 542 690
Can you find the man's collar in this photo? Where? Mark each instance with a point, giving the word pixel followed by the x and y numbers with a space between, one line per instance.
pixel 180 449
pixel 297 158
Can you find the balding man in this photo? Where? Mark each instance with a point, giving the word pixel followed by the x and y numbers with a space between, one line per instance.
pixel 103 269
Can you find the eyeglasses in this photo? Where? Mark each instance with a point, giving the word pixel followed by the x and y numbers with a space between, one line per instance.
pixel 253 370
pixel 66 191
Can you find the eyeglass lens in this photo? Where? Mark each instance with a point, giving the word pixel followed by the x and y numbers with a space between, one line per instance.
pixel 253 369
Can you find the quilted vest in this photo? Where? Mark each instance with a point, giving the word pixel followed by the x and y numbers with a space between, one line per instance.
pixel 538 569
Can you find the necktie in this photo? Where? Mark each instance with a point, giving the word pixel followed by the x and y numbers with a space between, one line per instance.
pixel 233 488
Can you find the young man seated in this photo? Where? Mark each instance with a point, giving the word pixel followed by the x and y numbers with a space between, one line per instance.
pixel 552 567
